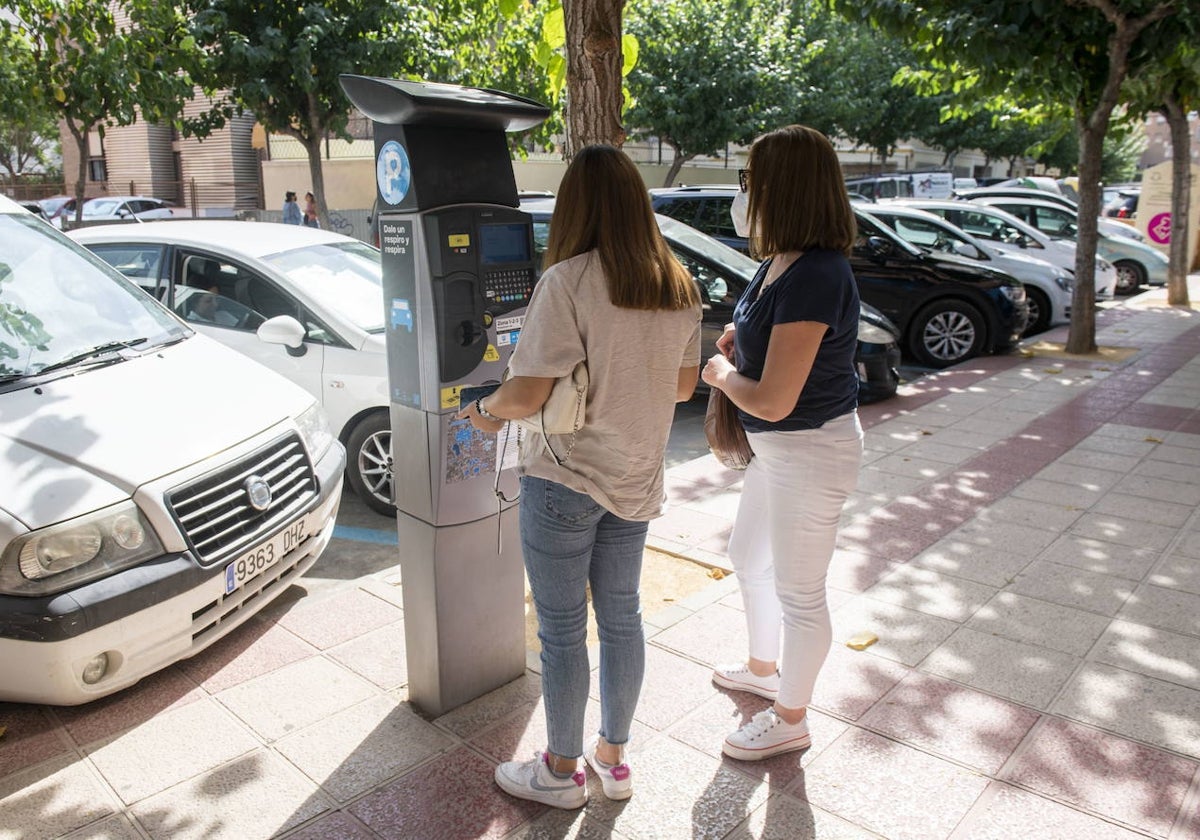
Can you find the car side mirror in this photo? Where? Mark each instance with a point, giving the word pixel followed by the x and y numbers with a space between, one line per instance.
pixel 285 330
pixel 966 249
pixel 879 246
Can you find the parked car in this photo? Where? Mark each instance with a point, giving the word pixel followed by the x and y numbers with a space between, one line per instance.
pixel 948 308
pixel 157 490
pixel 723 274
pixel 1047 288
pixel 1137 264
pixel 1124 205
pixel 1055 196
pixel 54 204
pixel 125 208
pixel 1005 231
pixel 305 302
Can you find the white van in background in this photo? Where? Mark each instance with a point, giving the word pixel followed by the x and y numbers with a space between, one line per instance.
pixel 156 488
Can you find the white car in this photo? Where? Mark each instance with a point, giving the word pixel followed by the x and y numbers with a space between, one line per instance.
pixel 123 208
pixel 1137 264
pixel 1005 231
pixel 306 303
pixel 157 490
pixel 1047 287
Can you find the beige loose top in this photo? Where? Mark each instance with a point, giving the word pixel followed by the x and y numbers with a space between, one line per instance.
pixel 633 358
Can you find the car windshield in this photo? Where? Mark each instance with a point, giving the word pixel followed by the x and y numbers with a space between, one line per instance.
pixel 703 245
pixel 345 277
pixel 101 207
pixel 59 302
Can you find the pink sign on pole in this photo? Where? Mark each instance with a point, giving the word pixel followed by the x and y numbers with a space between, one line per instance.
pixel 1159 228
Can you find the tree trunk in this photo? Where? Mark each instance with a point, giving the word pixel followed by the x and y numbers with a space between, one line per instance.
pixel 316 172
pixel 593 73
pixel 1181 182
pixel 1081 338
pixel 81 143
pixel 676 164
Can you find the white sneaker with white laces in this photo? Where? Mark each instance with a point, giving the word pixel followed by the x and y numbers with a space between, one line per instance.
pixel 533 780
pixel 767 734
pixel 741 678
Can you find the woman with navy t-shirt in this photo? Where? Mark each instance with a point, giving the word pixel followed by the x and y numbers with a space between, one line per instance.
pixel 787 363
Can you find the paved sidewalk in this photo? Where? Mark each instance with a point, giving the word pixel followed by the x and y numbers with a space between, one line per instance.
pixel 1025 542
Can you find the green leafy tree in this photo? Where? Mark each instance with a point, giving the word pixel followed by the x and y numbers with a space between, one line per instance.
pixel 282 61
pixel 1079 51
pixel 708 74
pixel 853 87
pixel 95 64
pixel 28 128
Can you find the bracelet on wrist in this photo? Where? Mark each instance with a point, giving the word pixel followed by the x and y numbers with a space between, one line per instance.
pixel 483 412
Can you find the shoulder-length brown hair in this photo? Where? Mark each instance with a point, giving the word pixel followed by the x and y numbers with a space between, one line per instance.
pixel 603 205
pixel 798 199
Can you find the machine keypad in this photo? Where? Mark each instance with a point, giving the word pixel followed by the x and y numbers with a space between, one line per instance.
pixel 510 288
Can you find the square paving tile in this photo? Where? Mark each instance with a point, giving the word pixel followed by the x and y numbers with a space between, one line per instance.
pixel 849 779
pixel 258 647
pixel 295 696
pixel 354 750
pixel 157 693
pixel 932 593
pixel 1136 706
pixel 1058 493
pixel 1143 510
pixel 52 799
pixel 1160 607
pixel 1147 650
pixel 472 718
pixel 454 797
pixel 333 619
pixel 937 715
pixel 905 635
pixel 855 570
pixel 171 748
pixel 1105 774
pixel 1105 557
pixel 852 681
pixel 1073 587
pixel 784 817
pixel 337 825
pixel 672 687
pixel 257 796
pixel 1034 514
pixel 714 635
pixel 1159 488
pixel 116 827
pixel 970 561
pixel 1025 673
pixel 379 656
pixel 1178 572
pixel 1010 537
pixel 1010 812
pixel 566 825
pixel 30 736
pixel 1124 531
pixel 1037 622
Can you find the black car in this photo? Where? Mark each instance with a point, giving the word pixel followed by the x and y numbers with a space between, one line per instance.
pixel 723 274
pixel 948 309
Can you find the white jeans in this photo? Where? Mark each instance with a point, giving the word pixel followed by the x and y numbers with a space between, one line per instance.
pixel 782 542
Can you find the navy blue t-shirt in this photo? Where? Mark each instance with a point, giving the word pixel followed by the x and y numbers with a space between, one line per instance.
pixel 819 286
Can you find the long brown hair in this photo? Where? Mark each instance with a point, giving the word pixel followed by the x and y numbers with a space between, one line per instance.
pixel 603 205
pixel 798 199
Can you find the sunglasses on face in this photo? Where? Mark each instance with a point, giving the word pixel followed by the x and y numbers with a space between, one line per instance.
pixel 744 179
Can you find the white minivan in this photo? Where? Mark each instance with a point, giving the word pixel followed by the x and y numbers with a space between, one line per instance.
pixel 156 488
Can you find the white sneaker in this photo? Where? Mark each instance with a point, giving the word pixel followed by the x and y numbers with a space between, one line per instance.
pixel 616 778
pixel 533 780
pixel 740 678
pixel 767 734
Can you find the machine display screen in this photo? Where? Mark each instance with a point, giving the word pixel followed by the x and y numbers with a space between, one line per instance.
pixel 506 243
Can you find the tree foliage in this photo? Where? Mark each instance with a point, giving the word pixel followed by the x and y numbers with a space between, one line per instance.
pixel 282 61
pixel 28 127
pixel 94 64
pixel 709 73
pixel 1078 52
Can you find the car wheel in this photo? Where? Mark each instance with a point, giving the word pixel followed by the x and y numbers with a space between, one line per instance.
pixel 1130 275
pixel 1039 311
pixel 369 462
pixel 946 332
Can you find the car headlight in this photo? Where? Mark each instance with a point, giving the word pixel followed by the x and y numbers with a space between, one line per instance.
pixel 868 333
pixel 78 551
pixel 1063 281
pixel 315 432
pixel 1104 266
pixel 1014 293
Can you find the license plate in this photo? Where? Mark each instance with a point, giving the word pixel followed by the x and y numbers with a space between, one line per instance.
pixel 264 556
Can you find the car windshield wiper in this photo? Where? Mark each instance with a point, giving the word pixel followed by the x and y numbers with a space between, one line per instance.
pixel 91 353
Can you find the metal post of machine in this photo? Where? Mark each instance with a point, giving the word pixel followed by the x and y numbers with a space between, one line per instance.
pixel 458 270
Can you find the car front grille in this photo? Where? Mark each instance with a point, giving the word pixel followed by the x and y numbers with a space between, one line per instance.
pixel 215 511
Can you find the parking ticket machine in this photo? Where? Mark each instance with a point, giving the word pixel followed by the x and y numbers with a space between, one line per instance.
pixel 458 270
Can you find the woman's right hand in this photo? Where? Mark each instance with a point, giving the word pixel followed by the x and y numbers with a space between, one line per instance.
pixel 725 342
